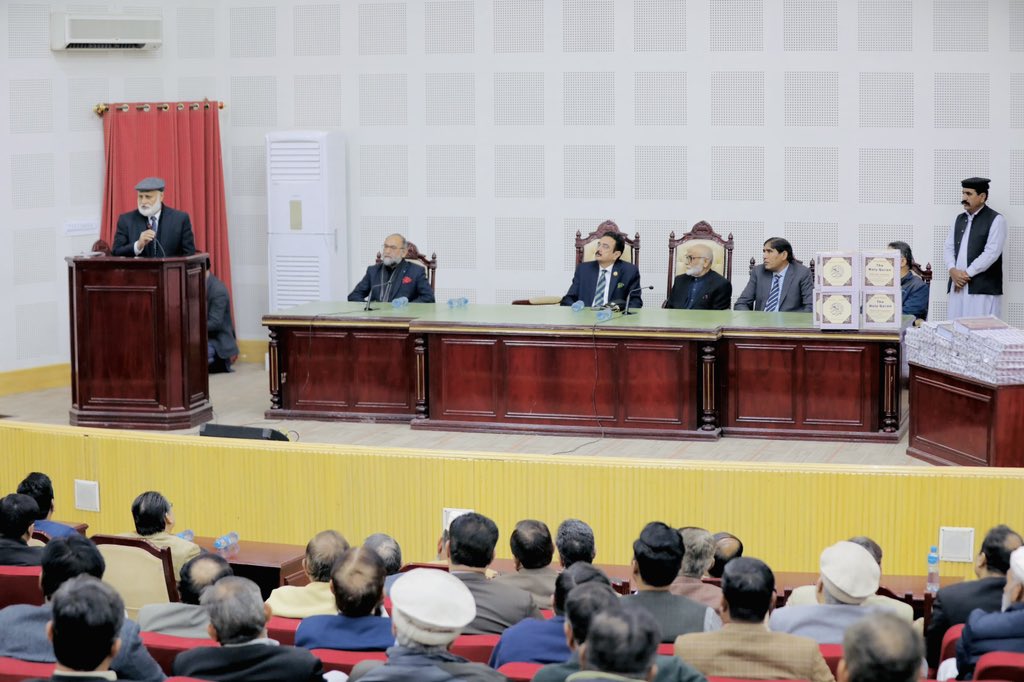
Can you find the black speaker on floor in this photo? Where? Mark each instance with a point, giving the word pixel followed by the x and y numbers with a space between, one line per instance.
pixel 252 433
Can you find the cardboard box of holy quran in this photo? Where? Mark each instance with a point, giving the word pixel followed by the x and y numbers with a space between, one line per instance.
pixel 836 270
pixel 881 300
pixel 836 290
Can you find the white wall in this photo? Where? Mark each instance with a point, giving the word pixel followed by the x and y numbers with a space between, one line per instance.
pixel 491 130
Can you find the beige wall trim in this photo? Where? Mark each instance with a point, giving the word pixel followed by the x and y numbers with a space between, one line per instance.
pixel 35 378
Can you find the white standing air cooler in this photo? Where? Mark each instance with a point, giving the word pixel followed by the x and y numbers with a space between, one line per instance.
pixel 306 209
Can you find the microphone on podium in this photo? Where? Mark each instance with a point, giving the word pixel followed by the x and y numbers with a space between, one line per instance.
pixel 616 305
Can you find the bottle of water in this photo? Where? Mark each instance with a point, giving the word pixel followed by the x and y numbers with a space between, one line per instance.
pixel 226 541
pixel 578 306
pixel 458 302
pixel 187 535
pixel 400 302
pixel 932 584
pixel 604 314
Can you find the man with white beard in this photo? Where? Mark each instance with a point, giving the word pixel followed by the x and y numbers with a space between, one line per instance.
pixel 700 287
pixel 394 277
pixel 154 229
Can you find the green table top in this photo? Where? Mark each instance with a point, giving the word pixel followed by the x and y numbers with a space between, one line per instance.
pixel 526 319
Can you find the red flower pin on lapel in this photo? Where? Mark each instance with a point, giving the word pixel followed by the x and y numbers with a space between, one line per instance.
pixel 407 280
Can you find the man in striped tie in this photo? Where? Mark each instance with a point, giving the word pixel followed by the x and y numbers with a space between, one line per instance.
pixel 606 280
pixel 780 284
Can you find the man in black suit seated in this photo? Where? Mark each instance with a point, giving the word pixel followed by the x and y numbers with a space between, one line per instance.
pixel 394 277
pixel 85 629
pixel 17 515
pixel 238 621
pixel 953 604
pixel 154 230
pixel 700 287
pixel 221 347
pixel 606 280
pixel 779 284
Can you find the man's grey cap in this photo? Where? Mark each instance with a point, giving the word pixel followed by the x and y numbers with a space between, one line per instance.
pixel 150 185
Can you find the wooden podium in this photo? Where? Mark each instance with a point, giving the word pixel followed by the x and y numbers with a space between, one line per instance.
pixel 138 342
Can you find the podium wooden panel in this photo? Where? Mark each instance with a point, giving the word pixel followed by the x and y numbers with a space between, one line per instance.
pixel 138 342
pixel 959 420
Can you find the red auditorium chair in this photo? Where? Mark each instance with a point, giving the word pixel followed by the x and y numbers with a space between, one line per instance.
pixel 667 649
pixel 13 670
pixel 476 648
pixel 832 653
pixel 1000 665
pixel 949 641
pixel 283 629
pixel 344 661
pixel 744 679
pixel 165 648
pixel 409 567
pixel 520 672
pixel 20 585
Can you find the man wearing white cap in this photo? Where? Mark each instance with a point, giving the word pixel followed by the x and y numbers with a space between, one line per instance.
pixel 430 607
pixel 153 230
pixel 999 631
pixel 849 575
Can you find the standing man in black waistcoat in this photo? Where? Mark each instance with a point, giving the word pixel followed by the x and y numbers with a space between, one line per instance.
pixel 974 255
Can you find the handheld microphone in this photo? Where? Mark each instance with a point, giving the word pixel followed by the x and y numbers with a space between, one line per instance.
pixel 634 290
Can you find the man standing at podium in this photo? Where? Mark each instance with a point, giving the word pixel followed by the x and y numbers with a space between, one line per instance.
pixel 154 230
pixel 974 255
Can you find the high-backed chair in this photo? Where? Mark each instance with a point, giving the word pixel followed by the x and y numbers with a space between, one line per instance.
pixel 139 570
pixel 702 233
pixel 586 247
pixel 415 256
pixel 20 585
pixel 924 273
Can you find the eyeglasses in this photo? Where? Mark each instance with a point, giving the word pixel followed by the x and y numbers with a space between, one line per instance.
pixel 391 247
pixel 693 258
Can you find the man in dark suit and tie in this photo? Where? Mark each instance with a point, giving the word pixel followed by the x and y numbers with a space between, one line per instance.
pixel 700 287
pixel 606 280
pixel 154 230
pixel 779 284
pixel 394 277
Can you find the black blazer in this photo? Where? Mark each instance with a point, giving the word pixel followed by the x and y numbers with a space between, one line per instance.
pixel 249 663
pixel 219 330
pixel 954 603
pixel 173 231
pixel 17 553
pixel 625 278
pixel 715 294
pixel 408 279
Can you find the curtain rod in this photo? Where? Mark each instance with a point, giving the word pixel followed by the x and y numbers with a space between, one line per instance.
pixel 103 107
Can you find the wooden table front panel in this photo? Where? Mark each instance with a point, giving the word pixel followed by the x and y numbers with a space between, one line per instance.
pixel 802 385
pixel 636 384
pixel 346 370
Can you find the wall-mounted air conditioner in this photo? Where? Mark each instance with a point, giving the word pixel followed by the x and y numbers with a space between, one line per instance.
pixel 306 217
pixel 105 32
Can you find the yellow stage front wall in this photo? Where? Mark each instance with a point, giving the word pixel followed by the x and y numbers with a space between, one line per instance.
pixel 285 492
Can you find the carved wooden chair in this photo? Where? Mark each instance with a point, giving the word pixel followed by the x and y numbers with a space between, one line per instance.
pixel 924 273
pixel 139 570
pixel 415 256
pixel 701 233
pixel 586 246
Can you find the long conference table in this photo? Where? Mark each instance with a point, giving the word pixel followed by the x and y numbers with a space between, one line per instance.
pixel 674 374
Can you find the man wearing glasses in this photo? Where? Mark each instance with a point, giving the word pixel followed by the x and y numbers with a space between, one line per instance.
pixel 394 277
pixel 700 287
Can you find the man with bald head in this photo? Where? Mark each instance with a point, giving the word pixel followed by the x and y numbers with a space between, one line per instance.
pixel 186 618
pixel 316 598
pixel 700 287
pixel 394 277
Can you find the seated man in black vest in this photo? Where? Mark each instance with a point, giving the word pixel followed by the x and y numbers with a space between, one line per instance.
pixel 394 277
pixel 975 283
pixel 221 347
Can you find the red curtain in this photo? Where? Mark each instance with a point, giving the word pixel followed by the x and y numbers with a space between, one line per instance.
pixel 179 142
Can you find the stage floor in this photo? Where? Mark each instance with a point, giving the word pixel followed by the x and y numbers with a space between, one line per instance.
pixel 240 399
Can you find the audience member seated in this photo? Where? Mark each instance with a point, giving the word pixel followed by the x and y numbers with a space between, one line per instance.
pixel 535 640
pixel 430 608
pixel 532 550
pixel 808 594
pixel 849 575
pixel 187 618
pixel 999 631
pixel 954 603
pixel 221 344
pixel 17 514
pixel 390 553
pixel 657 556
pixel 698 556
pixel 581 605
pixel 357 582
pixel 154 521
pixel 23 626
pixel 915 291
pixel 727 548
pixel 87 618
pixel 316 598
pixel 238 619
pixel 744 648
pixel 883 647
pixel 622 645
pixel 575 542
pixel 39 487
pixel 471 541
